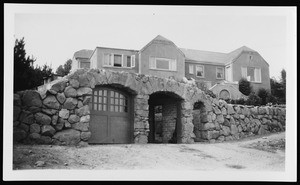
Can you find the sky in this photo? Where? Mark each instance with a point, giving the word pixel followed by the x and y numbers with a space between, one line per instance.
pixel 53 33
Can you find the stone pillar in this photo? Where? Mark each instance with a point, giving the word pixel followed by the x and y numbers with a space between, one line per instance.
pixel 187 128
pixel 141 124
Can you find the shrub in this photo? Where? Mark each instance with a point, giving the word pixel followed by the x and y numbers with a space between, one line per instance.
pixel 210 93
pixel 253 99
pixel 245 86
pixel 263 94
pixel 240 101
pixel 273 99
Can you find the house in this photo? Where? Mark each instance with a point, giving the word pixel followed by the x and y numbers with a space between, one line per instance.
pixel 81 59
pixel 219 72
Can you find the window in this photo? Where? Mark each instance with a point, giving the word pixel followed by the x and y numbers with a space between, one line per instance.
pixel 162 64
pixel 228 75
pixel 118 102
pixel 84 64
pixel 252 74
pixel 118 60
pixel 200 71
pixel 127 61
pixel 220 73
pixel 224 94
pixel 109 100
pixel 100 100
pixel 108 59
pixel 191 69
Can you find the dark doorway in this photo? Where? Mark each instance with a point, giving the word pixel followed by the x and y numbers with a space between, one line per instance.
pixel 164 118
pixel 199 118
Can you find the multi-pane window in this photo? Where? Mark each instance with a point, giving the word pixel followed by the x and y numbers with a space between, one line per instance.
pixel 220 73
pixel 191 69
pixel 109 100
pixel 119 60
pixel 162 64
pixel 252 74
pixel 118 103
pixel 100 100
pixel 200 71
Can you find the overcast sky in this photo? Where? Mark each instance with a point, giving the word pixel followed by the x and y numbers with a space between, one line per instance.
pixel 54 32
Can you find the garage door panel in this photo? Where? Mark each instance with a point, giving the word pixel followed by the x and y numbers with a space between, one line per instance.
pixel 120 129
pixel 110 117
pixel 99 128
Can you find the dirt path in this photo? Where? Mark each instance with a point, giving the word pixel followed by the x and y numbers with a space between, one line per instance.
pixel 260 153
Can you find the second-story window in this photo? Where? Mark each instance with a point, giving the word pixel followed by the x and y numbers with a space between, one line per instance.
pixel 220 73
pixel 118 60
pixel 253 74
pixel 162 64
pixel 200 71
pixel 191 68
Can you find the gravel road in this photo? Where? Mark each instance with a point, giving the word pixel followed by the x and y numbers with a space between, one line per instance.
pixel 250 154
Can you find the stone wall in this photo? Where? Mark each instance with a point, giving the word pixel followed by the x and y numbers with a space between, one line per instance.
pixel 169 115
pixel 60 114
pixel 231 122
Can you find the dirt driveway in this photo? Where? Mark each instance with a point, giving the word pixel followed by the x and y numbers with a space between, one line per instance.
pixel 257 153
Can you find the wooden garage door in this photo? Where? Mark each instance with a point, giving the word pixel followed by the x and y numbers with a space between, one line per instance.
pixel 110 116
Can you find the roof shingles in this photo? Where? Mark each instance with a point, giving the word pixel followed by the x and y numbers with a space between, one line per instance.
pixel 213 57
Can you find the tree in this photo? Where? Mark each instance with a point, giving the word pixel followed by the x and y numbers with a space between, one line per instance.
pixel 263 94
pixel 278 88
pixel 283 77
pixel 25 75
pixel 63 70
pixel 245 86
pixel 23 67
pixel 283 82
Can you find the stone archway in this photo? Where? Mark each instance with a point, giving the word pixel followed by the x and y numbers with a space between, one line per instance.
pixel 164 117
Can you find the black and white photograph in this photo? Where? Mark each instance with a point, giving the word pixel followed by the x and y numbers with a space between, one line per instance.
pixel 149 92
